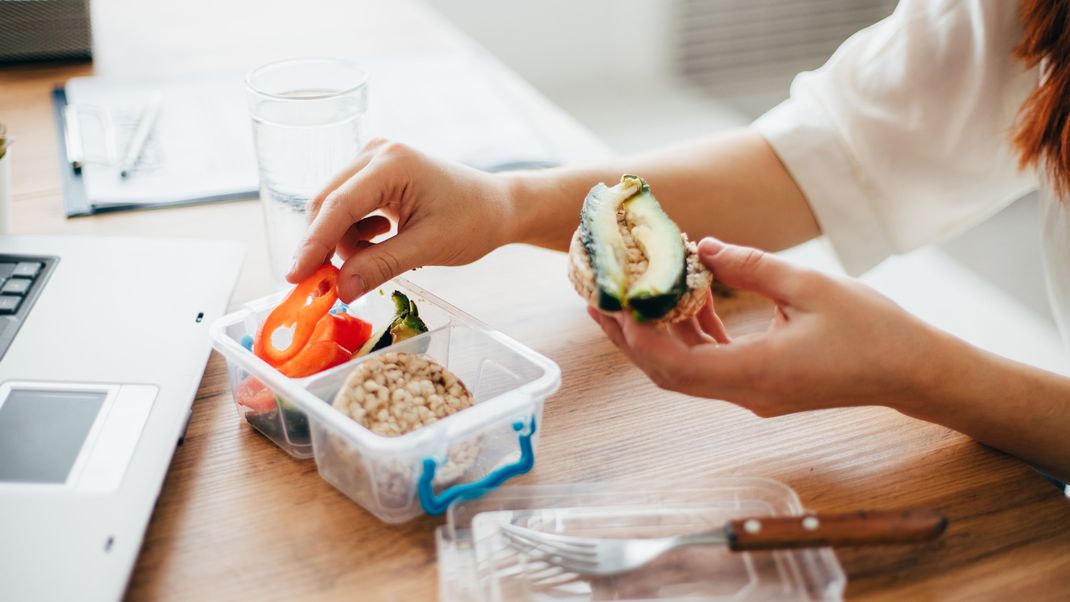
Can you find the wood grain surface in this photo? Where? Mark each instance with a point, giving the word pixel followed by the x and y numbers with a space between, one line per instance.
pixel 238 519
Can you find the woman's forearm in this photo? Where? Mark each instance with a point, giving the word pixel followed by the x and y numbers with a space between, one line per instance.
pixel 731 186
pixel 1019 409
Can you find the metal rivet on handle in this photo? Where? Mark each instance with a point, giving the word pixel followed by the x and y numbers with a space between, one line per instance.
pixel 810 523
pixel 752 525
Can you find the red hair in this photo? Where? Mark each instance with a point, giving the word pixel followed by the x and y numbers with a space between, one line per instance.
pixel 1043 129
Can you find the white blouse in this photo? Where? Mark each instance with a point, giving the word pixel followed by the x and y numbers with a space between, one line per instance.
pixel 903 137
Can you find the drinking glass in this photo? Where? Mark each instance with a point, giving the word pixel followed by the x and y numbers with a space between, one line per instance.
pixel 308 122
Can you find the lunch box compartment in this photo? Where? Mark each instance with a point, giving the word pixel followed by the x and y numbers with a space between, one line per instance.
pixel 281 421
pixel 398 478
pixel 383 473
pixel 284 423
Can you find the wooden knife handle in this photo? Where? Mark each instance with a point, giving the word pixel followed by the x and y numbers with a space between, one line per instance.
pixel 851 529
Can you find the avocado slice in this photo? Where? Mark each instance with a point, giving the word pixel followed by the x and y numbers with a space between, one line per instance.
pixel 657 291
pixel 600 236
pixel 405 325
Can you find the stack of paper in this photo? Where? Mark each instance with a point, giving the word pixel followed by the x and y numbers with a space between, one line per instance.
pixel 201 146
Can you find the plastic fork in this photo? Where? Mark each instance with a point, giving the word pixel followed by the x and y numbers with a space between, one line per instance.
pixel 596 556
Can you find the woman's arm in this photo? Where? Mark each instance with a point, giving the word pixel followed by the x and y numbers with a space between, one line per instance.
pixel 836 343
pixel 730 185
pixel 1010 406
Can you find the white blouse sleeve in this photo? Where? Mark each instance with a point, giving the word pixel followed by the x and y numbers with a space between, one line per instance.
pixel 904 136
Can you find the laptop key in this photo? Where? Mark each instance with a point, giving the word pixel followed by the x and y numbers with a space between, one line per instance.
pixel 8 304
pixel 22 280
pixel 16 286
pixel 26 269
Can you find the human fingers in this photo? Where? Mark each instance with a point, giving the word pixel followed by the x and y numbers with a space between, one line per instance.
pixel 731 372
pixel 348 204
pixel 755 270
pixel 376 263
pixel 610 327
pixel 711 323
pixel 659 354
pixel 648 338
pixel 362 232
pixel 728 372
pixel 358 163
pixel 690 333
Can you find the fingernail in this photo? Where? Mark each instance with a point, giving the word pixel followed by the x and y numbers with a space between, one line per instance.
pixel 709 246
pixel 293 268
pixel 357 286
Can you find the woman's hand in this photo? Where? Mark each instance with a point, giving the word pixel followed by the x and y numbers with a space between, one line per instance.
pixel 832 342
pixel 447 214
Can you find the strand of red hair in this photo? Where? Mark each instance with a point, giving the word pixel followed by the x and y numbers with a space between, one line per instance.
pixel 1043 129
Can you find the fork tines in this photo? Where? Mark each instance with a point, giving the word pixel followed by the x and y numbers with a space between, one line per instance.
pixel 573 553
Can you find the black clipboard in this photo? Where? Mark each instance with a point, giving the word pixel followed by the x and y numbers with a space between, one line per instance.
pixel 75 201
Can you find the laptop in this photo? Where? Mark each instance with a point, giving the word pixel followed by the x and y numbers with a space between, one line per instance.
pixel 103 342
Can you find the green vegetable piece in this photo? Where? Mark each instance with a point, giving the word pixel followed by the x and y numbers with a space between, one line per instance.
pixel 405 325
pixel 657 291
pixel 601 238
pixel 290 424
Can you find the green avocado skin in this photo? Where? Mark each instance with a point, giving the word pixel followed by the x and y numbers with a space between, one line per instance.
pixel 644 307
pixel 651 307
pixel 608 300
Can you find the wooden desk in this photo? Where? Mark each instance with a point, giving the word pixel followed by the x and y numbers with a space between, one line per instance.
pixel 239 519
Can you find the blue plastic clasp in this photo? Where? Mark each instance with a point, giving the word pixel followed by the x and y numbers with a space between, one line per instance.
pixel 437 504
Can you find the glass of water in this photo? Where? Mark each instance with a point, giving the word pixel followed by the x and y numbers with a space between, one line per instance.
pixel 307 125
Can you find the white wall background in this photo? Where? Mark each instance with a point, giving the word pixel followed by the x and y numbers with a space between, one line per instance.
pixel 614 63
pixel 607 62
pixel 564 44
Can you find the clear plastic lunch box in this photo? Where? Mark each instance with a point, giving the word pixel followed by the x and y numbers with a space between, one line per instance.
pixel 477 564
pixel 398 478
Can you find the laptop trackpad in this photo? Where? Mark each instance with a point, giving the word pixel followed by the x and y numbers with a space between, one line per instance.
pixel 70 435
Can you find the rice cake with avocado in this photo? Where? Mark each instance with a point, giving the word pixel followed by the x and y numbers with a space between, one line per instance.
pixel 628 254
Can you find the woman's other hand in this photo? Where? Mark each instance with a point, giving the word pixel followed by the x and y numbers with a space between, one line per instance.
pixel 446 214
pixel 832 342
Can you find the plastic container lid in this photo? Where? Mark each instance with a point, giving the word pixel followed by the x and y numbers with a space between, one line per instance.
pixel 477 564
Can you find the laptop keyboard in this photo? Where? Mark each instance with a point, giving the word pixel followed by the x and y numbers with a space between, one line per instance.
pixel 21 280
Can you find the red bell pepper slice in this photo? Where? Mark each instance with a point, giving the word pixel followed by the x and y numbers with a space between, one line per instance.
pixel 253 394
pixel 302 309
pixel 316 357
pixel 336 338
pixel 348 331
